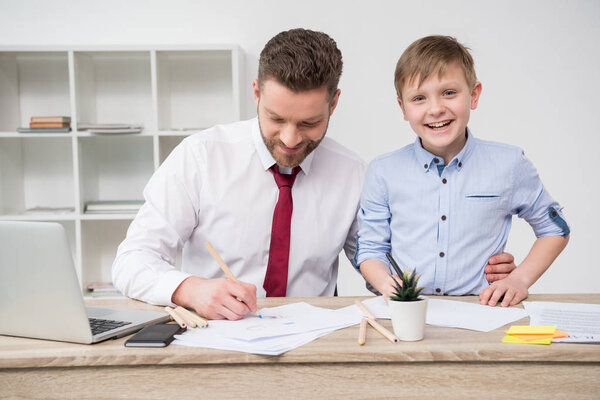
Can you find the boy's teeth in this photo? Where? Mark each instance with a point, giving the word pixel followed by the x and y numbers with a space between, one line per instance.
pixel 439 124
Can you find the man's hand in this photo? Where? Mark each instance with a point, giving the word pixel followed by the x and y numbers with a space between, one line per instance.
pixel 513 290
pixel 499 266
pixel 216 298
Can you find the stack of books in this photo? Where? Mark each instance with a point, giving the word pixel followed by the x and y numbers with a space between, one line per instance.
pixel 113 207
pixel 110 128
pixel 48 125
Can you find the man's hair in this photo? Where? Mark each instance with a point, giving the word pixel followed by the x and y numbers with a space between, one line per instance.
pixel 430 55
pixel 301 60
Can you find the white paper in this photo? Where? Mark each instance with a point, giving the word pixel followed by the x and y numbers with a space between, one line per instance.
pixel 295 324
pixel 580 321
pixel 453 314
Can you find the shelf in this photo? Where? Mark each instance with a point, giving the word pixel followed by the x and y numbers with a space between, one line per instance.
pixel 114 168
pixel 195 88
pixel 100 241
pixel 32 84
pixel 27 167
pixel 114 87
pixel 173 91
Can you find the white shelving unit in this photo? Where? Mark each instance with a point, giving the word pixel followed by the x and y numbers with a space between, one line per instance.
pixel 172 90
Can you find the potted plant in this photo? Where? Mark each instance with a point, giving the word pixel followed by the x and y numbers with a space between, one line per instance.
pixel 408 308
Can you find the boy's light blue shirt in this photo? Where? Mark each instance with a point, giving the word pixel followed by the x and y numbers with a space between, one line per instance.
pixel 446 227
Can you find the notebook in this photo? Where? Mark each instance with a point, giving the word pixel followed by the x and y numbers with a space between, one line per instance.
pixel 40 295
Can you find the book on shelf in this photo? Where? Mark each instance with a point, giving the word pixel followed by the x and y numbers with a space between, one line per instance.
pixel 51 119
pixel 110 128
pixel 48 210
pixel 113 206
pixel 103 289
pixel 44 130
pixel 49 124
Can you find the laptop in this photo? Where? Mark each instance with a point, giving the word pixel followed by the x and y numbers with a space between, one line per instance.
pixel 40 296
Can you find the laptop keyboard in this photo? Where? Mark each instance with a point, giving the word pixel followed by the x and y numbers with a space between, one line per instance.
pixel 102 325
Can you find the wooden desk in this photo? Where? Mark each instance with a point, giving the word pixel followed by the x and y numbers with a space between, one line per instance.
pixel 448 363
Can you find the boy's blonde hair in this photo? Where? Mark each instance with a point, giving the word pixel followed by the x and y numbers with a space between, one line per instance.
pixel 430 55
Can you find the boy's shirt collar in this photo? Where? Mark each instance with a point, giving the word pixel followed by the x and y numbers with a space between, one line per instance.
pixel 428 160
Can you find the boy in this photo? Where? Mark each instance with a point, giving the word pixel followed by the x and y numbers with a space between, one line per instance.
pixel 443 205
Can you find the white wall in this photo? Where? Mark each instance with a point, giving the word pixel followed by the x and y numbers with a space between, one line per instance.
pixel 538 61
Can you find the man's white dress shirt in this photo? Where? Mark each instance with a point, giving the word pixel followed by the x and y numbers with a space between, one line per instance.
pixel 216 186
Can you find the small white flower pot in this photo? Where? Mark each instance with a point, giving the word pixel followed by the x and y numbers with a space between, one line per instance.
pixel 408 318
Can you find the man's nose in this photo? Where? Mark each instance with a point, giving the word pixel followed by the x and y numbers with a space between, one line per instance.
pixel 290 136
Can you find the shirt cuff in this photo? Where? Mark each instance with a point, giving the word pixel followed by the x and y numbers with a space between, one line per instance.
pixel 167 284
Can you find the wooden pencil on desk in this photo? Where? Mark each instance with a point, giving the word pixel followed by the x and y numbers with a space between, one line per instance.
pixel 365 310
pixel 384 332
pixel 188 321
pixel 362 332
pixel 191 316
pixel 224 267
pixel 176 317
pixel 378 327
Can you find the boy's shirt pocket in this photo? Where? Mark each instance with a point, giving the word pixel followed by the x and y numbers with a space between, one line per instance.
pixel 483 196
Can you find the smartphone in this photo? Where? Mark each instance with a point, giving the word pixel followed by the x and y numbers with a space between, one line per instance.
pixel 157 335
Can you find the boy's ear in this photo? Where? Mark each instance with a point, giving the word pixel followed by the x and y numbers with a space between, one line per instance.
pixel 475 93
pixel 402 108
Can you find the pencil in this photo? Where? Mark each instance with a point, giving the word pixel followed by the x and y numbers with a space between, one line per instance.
pixel 176 317
pixel 379 328
pixel 224 267
pixel 188 321
pixel 362 332
pixel 394 264
pixel 365 310
pixel 201 322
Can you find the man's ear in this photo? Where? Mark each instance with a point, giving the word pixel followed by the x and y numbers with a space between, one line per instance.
pixel 256 90
pixel 334 101
pixel 475 93
pixel 402 108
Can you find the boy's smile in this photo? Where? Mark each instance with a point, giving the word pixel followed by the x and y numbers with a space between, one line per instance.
pixel 438 110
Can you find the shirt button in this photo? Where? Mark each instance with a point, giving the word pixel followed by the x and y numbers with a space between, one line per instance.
pixel 442 254
pixel 443 217
pixel 444 181
pixel 435 160
pixel 438 290
pixel 459 164
pixel 425 166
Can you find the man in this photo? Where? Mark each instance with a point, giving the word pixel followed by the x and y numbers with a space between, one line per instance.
pixel 232 186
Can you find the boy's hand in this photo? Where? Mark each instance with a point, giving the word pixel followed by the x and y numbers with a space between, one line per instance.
pixel 511 289
pixel 499 266
pixel 389 287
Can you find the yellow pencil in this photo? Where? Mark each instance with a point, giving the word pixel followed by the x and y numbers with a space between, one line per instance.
pixel 362 332
pixel 224 267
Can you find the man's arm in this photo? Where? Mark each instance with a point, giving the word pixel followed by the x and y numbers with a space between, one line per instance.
pixel 515 287
pixel 144 265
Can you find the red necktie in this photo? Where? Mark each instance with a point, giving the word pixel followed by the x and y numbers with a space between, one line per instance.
pixel 279 252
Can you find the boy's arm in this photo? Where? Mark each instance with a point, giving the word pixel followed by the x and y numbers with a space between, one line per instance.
pixel 499 266
pixel 378 275
pixel 515 287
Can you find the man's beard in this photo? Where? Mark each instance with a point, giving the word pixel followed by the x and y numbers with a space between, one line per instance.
pixel 290 160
